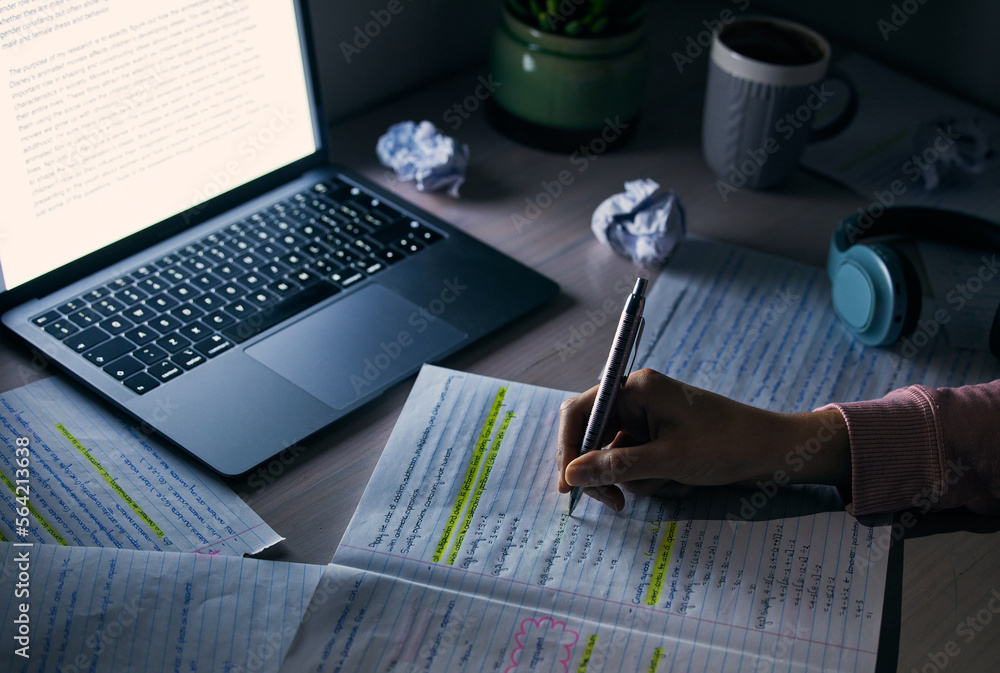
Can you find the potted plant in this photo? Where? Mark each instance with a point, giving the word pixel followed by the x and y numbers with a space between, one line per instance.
pixel 567 69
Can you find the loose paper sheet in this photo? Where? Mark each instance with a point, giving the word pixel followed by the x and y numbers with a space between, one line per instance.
pixel 761 329
pixel 876 155
pixel 93 480
pixel 461 556
pixel 110 610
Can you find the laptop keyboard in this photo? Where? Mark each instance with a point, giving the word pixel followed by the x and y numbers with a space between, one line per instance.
pixel 161 320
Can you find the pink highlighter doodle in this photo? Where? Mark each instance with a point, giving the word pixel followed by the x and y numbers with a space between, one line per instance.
pixel 541 640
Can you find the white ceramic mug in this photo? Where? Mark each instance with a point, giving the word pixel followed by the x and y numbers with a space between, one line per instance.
pixel 766 82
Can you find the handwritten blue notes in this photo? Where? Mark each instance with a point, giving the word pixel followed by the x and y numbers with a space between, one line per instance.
pixel 109 610
pixel 94 480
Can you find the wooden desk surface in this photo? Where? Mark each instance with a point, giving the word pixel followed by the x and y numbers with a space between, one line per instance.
pixel 951 562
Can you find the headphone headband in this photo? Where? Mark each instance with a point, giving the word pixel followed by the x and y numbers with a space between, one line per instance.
pixel 932 223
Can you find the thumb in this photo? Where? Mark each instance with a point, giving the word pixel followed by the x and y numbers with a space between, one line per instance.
pixel 603 468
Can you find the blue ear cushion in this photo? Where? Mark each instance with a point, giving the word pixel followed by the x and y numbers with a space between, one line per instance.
pixel 873 293
pixel 877 294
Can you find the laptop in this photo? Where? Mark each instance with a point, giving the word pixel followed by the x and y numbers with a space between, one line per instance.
pixel 176 239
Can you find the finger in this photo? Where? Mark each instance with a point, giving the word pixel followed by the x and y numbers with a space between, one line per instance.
pixel 573 416
pixel 609 496
pixel 610 466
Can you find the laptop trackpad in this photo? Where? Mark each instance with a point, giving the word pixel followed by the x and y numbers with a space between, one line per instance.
pixel 356 345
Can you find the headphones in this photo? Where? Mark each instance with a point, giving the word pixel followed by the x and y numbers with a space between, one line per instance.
pixel 875 289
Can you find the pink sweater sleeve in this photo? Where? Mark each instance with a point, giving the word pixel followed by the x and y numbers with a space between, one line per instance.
pixel 925 448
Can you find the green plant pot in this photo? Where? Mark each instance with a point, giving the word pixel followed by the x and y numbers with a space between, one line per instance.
pixel 557 92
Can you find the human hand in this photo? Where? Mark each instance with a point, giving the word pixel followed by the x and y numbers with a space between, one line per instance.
pixel 666 438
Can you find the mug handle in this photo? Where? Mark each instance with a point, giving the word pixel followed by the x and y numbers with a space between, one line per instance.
pixel 846 116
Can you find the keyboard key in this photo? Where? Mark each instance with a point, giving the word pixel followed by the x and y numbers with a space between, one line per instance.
pixel 152 284
pixel 150 354
pixel 389 256
pixel 173 343
pixel 196 265
pixel 123 367
pixel 72 306
pixel 117 325
pixel 241 310
pixel 176 274
pixel 295 259
pixel 347 277
pixel 364 247
pixel 374 267
pixel 209 302
pixel 282 288
pixel 252 281
pixel 273 270
pixel 141 335
pixel 270 250
pixel 87 339
pixel 61 329
pixel 304 278
pixel 280 311
pixel 408 245
pixel 46 318
pixel 250 260
pixel 324 268
pixel 206 281
pixel 165 323
pixel 227 271
pixel 195 331
pixel 142 272
pixel 140 314
pixel 119 284
pixel 290 240
pixel 165 371
pixel 130 296
pixel 162 302
pixel 97 294
pixel 187 313
pixel 189 359
pixel 167 260
pixel 108 306
pixel 141 383
pixel 261 298
pixel 109 351
pixel 231 291
pixel 183 292
pixel 85 317
pixel 218 319
pixel 216 254
pixel 213 345
pixel 316 249
pixel 344 255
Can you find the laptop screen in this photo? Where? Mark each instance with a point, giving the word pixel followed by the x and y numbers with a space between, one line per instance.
pixel 118 114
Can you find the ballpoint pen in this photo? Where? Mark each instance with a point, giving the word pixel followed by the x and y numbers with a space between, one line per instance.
pixel 614 375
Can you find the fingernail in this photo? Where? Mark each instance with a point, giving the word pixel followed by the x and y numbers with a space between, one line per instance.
pixel 579 475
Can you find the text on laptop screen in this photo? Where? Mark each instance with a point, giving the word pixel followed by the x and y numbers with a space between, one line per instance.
pixel 118 114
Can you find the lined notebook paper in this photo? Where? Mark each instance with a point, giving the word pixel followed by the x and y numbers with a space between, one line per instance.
pixel 461 555
pixel 95 480
pixel 107 610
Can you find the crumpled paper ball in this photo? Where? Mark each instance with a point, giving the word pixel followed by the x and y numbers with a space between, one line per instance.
pixel 419 152
pixel 640 222
pixel 950 149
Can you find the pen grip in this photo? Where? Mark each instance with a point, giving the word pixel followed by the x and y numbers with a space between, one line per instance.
pixel 611 380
